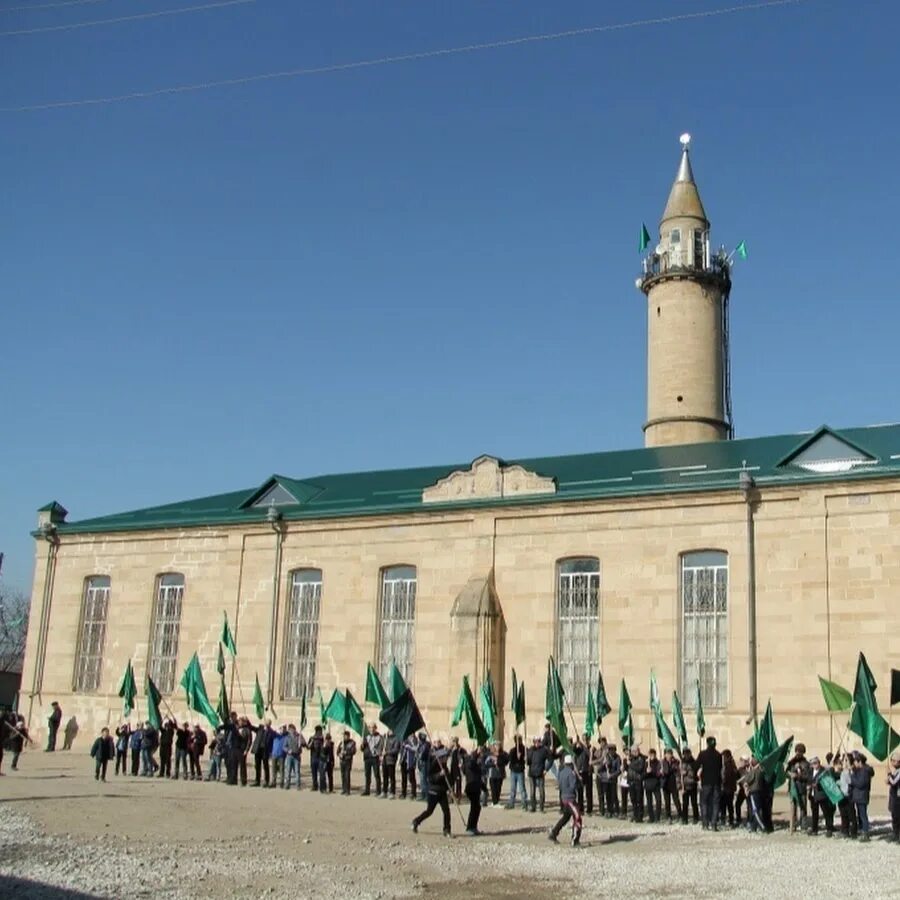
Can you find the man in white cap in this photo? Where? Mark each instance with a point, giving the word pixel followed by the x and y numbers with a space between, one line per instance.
pixel 568 796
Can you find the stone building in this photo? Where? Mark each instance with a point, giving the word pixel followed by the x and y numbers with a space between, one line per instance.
pixel 751 565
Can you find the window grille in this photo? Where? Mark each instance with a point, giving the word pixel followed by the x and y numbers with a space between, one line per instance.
pixel 578 626
pixel 397 629
pixel 301 636
pixel 164 631
pixel 704 642
pixel 91 634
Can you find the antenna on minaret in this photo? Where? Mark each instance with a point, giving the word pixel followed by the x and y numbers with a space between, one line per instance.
pixel 685 140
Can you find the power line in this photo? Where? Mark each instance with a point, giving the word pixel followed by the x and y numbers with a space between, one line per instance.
pixel 34 6
pixel 406 57
pixel 132 18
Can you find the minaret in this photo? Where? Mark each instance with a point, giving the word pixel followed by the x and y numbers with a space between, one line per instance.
pixel 687 303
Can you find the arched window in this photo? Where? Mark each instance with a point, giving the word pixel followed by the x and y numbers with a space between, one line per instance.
pixel 164 628
pixel 578 625
pixel 704 626
pixel 397 621
pixel 91 634
pixel 301 635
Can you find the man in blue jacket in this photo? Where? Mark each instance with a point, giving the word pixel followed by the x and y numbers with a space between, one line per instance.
pixel 568 796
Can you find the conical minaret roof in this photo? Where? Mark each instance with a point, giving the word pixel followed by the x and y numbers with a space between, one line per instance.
pixel 684 198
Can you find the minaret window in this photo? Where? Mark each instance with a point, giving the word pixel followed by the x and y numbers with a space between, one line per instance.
pixel 675 236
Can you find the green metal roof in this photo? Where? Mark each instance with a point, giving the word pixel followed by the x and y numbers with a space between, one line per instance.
pixel 620 473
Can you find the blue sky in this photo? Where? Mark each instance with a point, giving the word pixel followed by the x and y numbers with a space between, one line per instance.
pixel 420 262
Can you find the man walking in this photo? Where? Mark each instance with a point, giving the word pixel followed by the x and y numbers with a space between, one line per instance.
pixel 568 794
pixel 53 726
pixel 709 771
pixel 472 773
pixel 102 752
pixel 438 787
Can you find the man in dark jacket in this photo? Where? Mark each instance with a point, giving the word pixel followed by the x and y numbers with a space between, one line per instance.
pixel 328 751
pixel 134 745
pixel 798 771
pixel 517 760
pixel 653 785
pixel 583 768
pixel 471 765
pixel 346 752
pixel 103 750
pixel 196 748
pixel 709 771
pixel 231 741
pixel 821 804
pixel 438 787
pixel 637 768
pixel 182 738
pixel 687 776
pixel 389 765
pixel 149 744
pixel 315 745
pixel 537 758
pixel 166 742
pixel 123 733
pixel 669 777
pixel 261 748
pixel 860 790
pixel 53 725
pixel 373 747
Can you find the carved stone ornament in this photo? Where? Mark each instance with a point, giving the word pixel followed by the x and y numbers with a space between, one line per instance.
pixel 487 478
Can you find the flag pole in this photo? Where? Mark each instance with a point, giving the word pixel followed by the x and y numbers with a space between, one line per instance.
pixel 234 672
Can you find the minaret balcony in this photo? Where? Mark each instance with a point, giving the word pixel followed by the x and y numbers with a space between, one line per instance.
pixel 658 267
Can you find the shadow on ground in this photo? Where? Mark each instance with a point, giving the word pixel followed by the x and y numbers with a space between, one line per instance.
pixel 24 889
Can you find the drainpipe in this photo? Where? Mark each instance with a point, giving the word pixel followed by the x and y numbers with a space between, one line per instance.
pixel 747 488
pixel 274 518
pixel 48 532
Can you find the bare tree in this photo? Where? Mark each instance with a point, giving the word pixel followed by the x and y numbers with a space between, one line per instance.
pixel 14 610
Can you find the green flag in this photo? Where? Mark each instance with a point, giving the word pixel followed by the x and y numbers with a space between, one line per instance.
pixel 644 241
pixel 336 710
pixel 515 692
pixel 153 699
pixel 258 702
pixel 678 718
pixel 555 705
pixel 831 789
pixel 590 713
pixel 877 736
pixel 465 710
pixel 354 715
pixel 626 726
pixel 375 692
pixel 654 693
pixel 303 709
pixel 492 695
pixel 128 690
pixel 603 707
pixel 701 719
pixel 741 249
pixel 895 686
pixel 520 704
pixel 220 661
pixel 398 684
pixel 773 763
pixel 403 716
pixel 487 711
pixel 227 638
pixel 222 710
pixel 322 717
pixel 764 740
pixel 195 691
pixel 837 699
pixel 663 732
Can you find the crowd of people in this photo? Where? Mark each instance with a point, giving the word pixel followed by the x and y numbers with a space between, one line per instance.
pixel 712 789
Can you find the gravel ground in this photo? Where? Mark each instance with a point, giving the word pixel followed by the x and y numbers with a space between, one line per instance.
pixel 64 835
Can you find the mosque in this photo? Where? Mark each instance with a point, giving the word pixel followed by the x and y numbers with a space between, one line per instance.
pixel 747 567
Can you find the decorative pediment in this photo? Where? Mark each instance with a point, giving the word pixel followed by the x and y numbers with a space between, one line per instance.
pixel 486 479
pixel 280 491
pixel 827 452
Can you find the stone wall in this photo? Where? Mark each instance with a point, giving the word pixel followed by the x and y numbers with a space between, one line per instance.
pixel 828 574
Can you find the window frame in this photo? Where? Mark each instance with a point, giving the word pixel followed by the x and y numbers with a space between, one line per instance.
pixel 81 684
pixel 715 689
pixel 308 662
pixel 406 665
pixel 567 666
pixel 162 667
